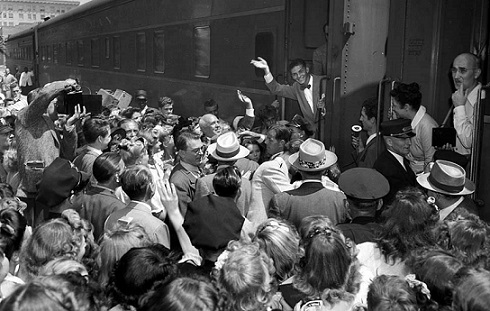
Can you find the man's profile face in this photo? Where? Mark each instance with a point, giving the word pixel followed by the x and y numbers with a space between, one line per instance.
pixel 464 72
pixel 212 127
pixel 367 123
pixel 300 74
pixel 400 146
pixel 194 154
pixel 273 145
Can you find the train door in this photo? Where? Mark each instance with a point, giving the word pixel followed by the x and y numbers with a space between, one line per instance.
pixel 356 65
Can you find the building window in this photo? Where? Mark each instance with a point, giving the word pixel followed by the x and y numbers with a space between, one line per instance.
pixel 43 16
pixel 29 16
pixel 48 53
pixel 21 15
pixel 202 51
pixel 141 51
pixel 11 15
pixel 264 47
pixel 95 52
pixel 80 52
pixel 55 53
pixel 34 16
pixel 116 43
pixel 159 52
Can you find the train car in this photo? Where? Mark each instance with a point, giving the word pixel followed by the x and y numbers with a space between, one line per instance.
pixel 194 50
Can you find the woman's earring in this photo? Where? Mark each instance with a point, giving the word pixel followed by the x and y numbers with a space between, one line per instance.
pixel 117 178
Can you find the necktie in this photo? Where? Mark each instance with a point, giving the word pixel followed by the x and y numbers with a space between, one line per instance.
pixel 303 87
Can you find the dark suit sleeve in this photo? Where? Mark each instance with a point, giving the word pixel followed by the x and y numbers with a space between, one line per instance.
pixel 274 208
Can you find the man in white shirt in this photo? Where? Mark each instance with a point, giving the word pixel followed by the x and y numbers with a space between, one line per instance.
pixel 465 71
pixel 305 89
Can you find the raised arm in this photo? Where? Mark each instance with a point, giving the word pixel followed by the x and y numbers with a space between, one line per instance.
pixel 38 106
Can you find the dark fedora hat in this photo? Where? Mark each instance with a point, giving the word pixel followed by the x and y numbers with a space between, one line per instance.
pixel 363 183
pixel 59 180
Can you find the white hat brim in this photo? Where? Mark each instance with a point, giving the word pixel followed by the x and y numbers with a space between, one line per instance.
pixel 330 159
pixel 242 153
pixel 423 180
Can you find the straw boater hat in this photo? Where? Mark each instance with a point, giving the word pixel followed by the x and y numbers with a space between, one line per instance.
pixel 312 156
pixel 227 148
pixel 447 178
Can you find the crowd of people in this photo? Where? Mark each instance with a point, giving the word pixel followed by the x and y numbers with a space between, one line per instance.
pixel 142 209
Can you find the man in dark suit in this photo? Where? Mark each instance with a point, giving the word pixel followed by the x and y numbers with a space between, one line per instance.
pixel 447 183
pixel 305 88
pixel 364 189
pixel 227 150
pixel 392 162
pixel 311 198
pixel 366 154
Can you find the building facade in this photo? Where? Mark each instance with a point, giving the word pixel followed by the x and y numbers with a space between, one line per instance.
pixel 18 12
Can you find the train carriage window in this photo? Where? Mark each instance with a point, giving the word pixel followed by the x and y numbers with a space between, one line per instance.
pixel 107 48
pixel 55 54
pixel 69 53
pixel 117 52
pixel 48 53
pixel 80 52
pixel 159 52
pixel 141 51
pixel 202 51
pixel 264 47
pixel 95 52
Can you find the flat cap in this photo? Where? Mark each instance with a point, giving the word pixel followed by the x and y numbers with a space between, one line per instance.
pixel 363 184
pixel 141 94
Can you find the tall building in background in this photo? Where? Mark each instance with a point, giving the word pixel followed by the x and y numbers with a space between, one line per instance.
pixel 19 12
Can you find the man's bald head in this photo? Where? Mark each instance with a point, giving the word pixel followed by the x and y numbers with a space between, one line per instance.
pixel 210 126
pixel 466 70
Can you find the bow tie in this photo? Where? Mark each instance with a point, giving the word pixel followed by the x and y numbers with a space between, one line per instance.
pixel 304 87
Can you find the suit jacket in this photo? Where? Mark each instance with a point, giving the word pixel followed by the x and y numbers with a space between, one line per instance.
pixel 38 140
pixel 204 186
pixel 156 229
pixel 270 178
pixel 467 206
pixel 369 155
pixel 294 92
pixel 85 160
pixel 397 176
pixel 96 204
pixel 311 198
pixel 185 184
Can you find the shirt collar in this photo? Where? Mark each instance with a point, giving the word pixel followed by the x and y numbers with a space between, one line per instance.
pixel 142 204
pixel 371 137
pixel 418 116
pixel 94 150
pixel 443 213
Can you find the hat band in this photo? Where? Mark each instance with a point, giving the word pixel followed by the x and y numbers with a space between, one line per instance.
pixel 311 165
pixel 228 154
pixel 447 188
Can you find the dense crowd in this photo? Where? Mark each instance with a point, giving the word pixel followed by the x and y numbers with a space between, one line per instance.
pixel 142 209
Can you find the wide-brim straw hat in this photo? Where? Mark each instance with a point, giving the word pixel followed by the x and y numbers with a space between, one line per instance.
pixel 312 157
pixel 227 148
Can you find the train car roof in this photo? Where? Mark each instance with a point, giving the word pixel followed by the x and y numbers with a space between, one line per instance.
pixel 70 14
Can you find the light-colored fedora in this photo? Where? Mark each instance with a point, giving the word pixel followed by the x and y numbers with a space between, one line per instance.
pixel 227 148
pixel 447 178
pixel 312 156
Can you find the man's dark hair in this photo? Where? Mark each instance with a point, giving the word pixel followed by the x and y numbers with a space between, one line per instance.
pixel 297 62
pixel 227 182
pixel 184 137
pixel 370 105
pixel 282 132
pixel 93 128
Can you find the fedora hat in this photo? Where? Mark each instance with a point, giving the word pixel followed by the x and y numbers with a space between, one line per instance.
pixel 447 178
pixel 227 148
pixel 312 156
